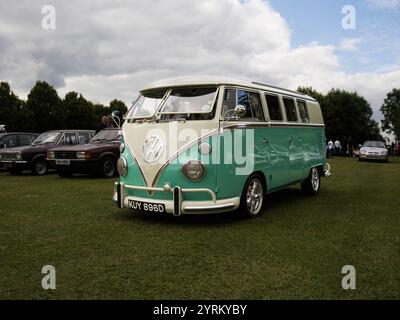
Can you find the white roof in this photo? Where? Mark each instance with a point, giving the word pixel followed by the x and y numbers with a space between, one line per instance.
pixel 216 80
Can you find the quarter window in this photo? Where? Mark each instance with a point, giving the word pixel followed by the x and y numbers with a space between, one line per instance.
pixel 274 108
pixel 303 111
pixel 250 100
pixel 290 108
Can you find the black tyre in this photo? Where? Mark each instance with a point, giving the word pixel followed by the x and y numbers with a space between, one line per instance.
pixel 39 167
pixel 252 197
pixel 312 185
pixel 107 168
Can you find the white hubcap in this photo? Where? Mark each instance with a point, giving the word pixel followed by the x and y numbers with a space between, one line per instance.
pixel 315 179
pixel 254 196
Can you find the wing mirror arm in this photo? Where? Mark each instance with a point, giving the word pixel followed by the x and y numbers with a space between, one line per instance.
pixel 233 114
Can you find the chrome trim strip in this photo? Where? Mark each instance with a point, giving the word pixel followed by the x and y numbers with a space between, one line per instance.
pixel 216 207
pixel 154 189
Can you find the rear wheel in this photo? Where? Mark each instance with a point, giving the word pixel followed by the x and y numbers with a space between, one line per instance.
pixel 39 167
pixel 252 197
pixel 107 168
pixel 312 184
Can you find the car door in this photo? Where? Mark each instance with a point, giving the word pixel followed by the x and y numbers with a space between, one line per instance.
pixel 277 144
pixel 295 141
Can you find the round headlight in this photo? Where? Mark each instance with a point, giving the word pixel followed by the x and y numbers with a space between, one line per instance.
pixel 122 167
pixel 50 154
pixel 194 170
pixel 121 147
pixel 205 148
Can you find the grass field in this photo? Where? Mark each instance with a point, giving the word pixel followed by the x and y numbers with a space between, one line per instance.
pixel 295 250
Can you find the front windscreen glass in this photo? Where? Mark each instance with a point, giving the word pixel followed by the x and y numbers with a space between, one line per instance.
pixel 374 144
pixel 107 136
pixel 47 137
pixel 146 105
pixel 189 101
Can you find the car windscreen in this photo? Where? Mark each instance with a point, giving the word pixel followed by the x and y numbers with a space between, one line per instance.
pixel 189 101
pixel 146 105
pixel 47 137
pixel 107 136
pixel 374 144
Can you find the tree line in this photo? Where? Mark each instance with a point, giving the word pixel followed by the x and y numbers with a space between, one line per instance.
pixel 44 110
pixel 347 115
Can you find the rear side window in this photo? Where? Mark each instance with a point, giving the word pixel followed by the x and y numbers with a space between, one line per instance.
pixel 250 100
pixel 290 108
pixel 25 139
pixel 9 141
pixel 70 138
pixel 274 108
pixel 84 137
pixel 303 111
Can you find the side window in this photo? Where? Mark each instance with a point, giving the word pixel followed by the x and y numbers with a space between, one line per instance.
pixel 274 108
pixel 9 141
pixel 290 108
pixel 250 100
pixel 25 139
pixel 84 137
pixel 303 111
pixel 70 138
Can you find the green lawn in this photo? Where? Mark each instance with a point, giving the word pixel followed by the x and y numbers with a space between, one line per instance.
pixel 295 250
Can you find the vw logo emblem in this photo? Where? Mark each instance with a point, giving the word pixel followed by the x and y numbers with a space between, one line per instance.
pixel 152 149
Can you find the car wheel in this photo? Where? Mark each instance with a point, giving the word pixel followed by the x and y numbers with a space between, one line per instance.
pixel 312 184
pixel 15 171
pixel 39 167
pixel 252 197
pixel 107 168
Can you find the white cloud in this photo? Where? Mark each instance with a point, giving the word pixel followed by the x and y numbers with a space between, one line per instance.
pixel 349 44
pixel 109 49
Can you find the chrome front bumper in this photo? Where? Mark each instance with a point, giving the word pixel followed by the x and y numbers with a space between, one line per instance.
pixel 177 206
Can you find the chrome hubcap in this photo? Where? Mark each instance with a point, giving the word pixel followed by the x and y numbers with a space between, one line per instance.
pixel 254 196
pixel 315 179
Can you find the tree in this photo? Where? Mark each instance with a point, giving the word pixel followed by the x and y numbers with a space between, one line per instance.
pixel 79 112
pixel 391 113
pixel 45 107
pixel 347 115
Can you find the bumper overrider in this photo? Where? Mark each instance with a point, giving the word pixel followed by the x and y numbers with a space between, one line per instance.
pixel 177 206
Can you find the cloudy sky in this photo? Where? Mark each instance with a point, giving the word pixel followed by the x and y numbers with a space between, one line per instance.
pixel 110 49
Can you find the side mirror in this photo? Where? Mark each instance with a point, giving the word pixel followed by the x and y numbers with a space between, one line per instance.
pixel 116 117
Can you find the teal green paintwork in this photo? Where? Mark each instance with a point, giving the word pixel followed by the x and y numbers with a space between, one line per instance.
pixel 281 160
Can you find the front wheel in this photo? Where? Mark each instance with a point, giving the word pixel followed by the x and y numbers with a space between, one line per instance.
pixel 107 168
pixel 252 197
pixel 39 167
pixel 312 184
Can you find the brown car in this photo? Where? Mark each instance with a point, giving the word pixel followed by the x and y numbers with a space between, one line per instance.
pixel 99 156
pixel 33 157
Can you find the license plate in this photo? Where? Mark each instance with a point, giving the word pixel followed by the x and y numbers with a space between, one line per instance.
pixel 146 206
pixel 63 162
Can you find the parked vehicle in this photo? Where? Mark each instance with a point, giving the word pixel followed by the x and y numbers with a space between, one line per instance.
pixel 33 157
pixel 99 156
pixel 204 144
pixel 16 139
pixel 373 150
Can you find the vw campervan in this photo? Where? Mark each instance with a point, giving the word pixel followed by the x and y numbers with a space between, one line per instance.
pixel 207 144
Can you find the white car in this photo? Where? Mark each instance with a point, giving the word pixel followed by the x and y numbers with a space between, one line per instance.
pixel 373 150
